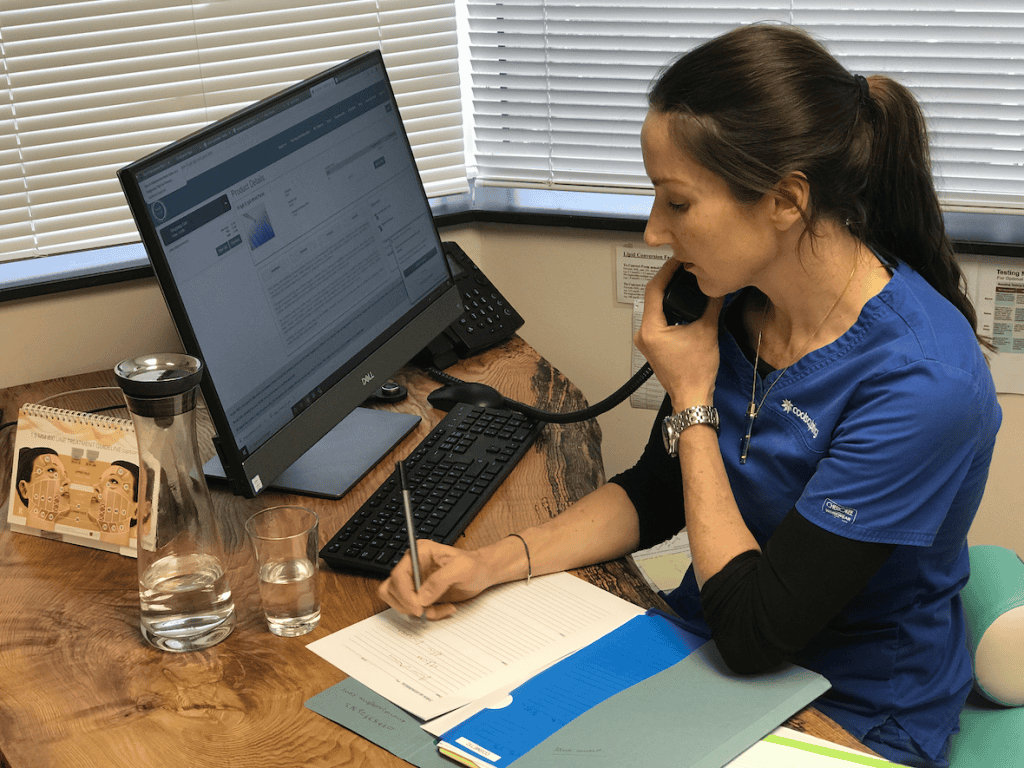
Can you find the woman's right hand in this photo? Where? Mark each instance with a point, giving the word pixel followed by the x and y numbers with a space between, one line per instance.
pixel 684 357
pixel 449 576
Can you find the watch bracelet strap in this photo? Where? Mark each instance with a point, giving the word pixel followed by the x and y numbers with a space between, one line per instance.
pixel 698 414
pixel 690 417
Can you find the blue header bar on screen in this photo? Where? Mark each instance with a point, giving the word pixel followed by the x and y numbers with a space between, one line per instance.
pixel 243 165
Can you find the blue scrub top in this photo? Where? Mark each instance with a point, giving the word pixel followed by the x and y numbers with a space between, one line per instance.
pixel 885 435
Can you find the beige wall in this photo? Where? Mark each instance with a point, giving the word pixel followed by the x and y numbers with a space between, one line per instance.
pixel 83 330
pixel 561 280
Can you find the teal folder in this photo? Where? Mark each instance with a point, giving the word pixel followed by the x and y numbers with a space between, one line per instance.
pixel 354 706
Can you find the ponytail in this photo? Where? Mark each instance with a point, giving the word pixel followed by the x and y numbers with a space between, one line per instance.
pixel 903 217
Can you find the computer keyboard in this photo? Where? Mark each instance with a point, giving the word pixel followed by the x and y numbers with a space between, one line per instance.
pixel 451 475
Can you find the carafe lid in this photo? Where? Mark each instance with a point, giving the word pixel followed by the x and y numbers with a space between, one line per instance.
pixel 160 375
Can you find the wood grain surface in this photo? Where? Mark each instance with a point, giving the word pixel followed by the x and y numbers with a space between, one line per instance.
pixel 79 687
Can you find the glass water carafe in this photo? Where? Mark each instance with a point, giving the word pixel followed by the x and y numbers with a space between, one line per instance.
pixel 185 598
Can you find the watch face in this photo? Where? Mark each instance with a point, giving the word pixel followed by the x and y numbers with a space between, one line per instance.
pixel 672 426
pixel 669 435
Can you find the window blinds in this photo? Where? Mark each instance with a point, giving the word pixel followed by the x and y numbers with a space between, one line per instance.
pixel 559 87
pixel 87 86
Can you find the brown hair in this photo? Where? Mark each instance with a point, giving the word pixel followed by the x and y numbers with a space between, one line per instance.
pixel 764 101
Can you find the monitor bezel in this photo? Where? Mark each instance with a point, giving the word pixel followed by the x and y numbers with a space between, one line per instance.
pixel 249 474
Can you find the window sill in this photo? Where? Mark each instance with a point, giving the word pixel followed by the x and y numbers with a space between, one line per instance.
pixel 70 271
pixel 977 233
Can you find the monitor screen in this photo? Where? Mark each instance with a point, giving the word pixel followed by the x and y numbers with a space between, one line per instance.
pixel 299 260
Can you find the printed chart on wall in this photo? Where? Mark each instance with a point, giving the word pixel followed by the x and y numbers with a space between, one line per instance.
pixel 75 478
pixel 634 267
pixel 996 286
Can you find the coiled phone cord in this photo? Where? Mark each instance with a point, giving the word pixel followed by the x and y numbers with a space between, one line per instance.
pixel 627 389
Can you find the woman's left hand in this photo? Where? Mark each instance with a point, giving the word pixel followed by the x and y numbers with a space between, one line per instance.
pixel 684 357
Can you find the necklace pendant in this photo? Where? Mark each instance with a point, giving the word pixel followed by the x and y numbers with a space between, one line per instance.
pixel 744 448
pixel 745 445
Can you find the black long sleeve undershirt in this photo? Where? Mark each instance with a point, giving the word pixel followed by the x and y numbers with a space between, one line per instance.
pixel 764 607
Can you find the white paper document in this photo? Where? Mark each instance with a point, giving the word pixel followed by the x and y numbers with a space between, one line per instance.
pixel 634 268
pixel 664 565
pixel 501 637
pixel 650 394
pixel 996 286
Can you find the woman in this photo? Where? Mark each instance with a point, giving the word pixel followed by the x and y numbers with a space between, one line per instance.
pixel 839 362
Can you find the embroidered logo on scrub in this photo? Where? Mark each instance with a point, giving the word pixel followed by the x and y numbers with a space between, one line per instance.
pixel 788 407
pixel 838 511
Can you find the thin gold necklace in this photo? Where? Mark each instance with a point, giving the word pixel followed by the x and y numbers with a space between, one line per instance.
pixel 754 409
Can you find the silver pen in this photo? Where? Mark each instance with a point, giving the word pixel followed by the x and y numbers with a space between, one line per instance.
pixel 409 525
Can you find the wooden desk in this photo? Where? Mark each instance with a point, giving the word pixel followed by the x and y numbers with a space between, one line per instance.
pixel 79 687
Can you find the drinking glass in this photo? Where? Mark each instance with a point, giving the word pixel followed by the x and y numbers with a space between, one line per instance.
pixel 286 541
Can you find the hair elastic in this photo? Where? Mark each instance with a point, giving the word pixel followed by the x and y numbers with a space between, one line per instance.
pixel 863 89
pixel 529 564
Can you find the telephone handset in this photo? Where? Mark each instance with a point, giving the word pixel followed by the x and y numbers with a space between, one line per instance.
pixel 487 320
pixel 683 301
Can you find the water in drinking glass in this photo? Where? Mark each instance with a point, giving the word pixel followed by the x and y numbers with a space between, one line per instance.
pixel 288 590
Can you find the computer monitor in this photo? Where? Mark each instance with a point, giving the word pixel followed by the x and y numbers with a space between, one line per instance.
pixel 296 252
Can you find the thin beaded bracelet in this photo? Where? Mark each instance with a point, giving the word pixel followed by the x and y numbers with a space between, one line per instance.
pixel 529 563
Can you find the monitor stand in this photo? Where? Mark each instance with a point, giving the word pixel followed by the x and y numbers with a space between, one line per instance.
pixel 341 458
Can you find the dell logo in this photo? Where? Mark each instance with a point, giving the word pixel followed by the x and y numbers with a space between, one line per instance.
pixel 367 379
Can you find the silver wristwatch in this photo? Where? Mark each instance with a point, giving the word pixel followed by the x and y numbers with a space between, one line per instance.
pixel 674 425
